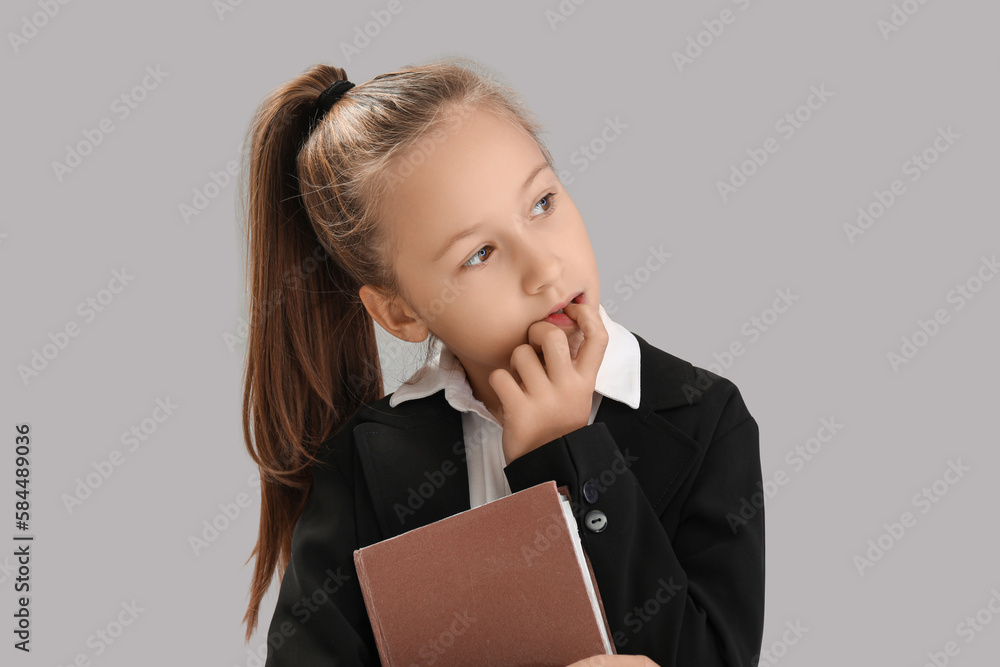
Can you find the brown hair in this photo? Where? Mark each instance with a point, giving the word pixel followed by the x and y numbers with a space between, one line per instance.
pixel 309 198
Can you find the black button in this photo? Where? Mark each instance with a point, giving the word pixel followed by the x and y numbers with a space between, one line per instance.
pixel 596 521
pixel 590 492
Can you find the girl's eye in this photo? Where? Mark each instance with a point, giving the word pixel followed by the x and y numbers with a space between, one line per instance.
pixel 550 202
pixel 549 199
pixel 479 256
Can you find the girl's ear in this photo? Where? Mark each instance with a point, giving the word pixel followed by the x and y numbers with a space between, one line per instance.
pixel 394 316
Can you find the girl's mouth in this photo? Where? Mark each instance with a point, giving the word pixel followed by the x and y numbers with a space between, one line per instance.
pixel 560 318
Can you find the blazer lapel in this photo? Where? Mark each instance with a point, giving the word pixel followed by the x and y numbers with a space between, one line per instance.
pixel 413 456
pixel 659 454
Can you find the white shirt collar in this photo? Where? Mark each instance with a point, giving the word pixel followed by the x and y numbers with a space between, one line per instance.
pixel 617 378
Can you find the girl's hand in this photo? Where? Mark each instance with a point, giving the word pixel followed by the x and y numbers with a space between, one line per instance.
pixel 615 661
pixel 555 399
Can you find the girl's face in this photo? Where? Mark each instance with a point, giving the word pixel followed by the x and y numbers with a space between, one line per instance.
pixel 489 243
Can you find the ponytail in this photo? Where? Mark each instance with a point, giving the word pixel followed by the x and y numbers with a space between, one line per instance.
pixel 311 357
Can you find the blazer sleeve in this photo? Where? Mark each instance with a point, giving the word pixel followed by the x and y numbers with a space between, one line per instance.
pixel 689 595
pixel 320 616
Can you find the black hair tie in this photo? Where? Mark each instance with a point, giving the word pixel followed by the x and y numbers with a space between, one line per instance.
pixel 327 99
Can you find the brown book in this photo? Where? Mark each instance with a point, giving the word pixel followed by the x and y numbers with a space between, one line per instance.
pixel 506 584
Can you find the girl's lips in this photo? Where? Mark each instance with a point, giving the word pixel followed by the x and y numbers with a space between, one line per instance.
pixel 579 298
pixel 563 319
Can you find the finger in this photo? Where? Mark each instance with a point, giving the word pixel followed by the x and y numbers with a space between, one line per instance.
pixel 595 336
pixel 555 348
pixel 524 360
pixel 506 387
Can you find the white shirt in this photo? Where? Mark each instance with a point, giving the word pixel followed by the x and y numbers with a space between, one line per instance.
pixel 617 378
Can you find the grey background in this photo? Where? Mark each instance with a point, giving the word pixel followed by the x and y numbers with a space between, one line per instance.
pixel 165 335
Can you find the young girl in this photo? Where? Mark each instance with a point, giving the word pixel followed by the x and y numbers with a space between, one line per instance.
pixel 425 201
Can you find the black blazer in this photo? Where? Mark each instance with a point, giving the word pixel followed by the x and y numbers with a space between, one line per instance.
pixel 679 564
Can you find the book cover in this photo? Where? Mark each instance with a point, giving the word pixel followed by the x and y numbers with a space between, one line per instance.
pixel 507 584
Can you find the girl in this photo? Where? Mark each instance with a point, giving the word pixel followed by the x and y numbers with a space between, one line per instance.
pixel 424 200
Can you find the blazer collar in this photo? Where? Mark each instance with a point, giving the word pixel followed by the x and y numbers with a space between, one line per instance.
pixel 412 455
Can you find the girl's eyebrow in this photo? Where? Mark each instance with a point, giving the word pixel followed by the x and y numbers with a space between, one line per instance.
pixel 476 227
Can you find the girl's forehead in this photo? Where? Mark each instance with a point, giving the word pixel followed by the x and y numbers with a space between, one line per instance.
pixel 470 171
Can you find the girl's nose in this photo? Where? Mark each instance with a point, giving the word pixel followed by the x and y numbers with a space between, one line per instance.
pixel 540 265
